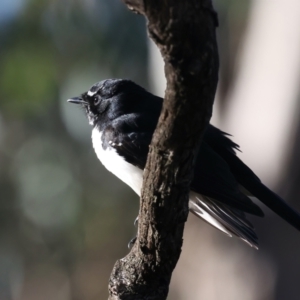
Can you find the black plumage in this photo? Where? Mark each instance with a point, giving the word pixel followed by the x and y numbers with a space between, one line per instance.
pixel 124 117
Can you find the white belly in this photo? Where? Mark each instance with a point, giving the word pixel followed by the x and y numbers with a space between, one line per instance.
pixel 116 164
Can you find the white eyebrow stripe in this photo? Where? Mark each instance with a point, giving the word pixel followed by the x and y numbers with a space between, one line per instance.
pixel 90 93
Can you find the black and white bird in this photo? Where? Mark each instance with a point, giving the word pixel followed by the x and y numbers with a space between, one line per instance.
pixel 124 116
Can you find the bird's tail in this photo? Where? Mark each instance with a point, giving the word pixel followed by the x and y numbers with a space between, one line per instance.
pixel 221 144
pixel 246 177
pixel 273 201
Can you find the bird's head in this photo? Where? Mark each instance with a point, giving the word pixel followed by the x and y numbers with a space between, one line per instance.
pixel 106 99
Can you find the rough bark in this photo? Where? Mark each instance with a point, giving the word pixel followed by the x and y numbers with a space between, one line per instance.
pixel 184 31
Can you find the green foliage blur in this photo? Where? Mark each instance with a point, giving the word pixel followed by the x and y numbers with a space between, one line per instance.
pixel 63 222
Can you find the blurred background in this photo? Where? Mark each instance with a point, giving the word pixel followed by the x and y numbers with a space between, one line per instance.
pixel 64 220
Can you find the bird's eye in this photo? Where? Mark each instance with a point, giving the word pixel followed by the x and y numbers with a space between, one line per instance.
pixel 96 100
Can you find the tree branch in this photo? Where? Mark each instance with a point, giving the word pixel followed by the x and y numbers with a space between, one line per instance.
pixel 184 31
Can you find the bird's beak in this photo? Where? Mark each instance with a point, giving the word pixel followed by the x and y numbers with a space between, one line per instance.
pixel 77 100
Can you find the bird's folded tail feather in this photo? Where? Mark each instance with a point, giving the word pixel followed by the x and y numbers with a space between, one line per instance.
pixel 273 201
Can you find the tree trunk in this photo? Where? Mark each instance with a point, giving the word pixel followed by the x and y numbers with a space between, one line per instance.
pixel 184 31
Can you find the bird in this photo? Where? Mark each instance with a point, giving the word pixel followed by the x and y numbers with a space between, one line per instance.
pixel 124 115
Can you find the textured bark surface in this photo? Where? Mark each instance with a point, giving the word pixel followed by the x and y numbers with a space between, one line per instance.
pixel 184 31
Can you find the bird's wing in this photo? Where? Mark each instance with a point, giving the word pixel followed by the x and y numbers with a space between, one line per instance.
pixel 135 147
pixel 131 136
pixel 213 178
pixel 224 147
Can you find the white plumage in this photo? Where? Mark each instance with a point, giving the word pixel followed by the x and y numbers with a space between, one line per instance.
pixel 116 164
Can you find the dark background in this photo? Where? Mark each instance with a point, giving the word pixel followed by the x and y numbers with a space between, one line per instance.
pixel 64 220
